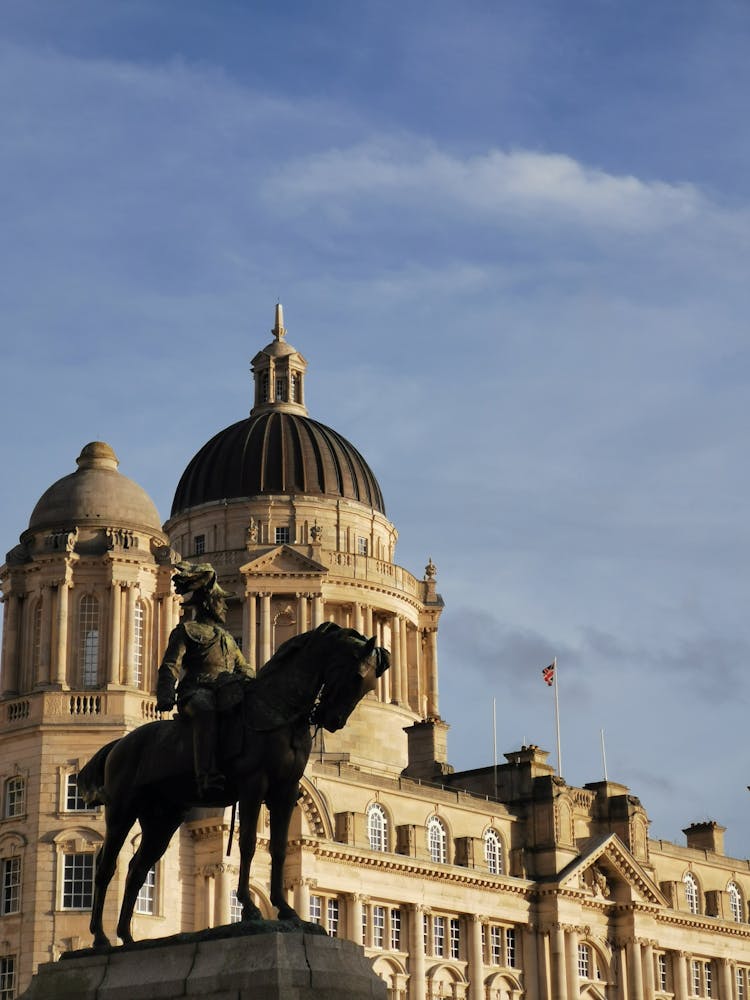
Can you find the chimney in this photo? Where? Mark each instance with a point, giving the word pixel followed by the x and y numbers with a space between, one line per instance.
pixel 706 836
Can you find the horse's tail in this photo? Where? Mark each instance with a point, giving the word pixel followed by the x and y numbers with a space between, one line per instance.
pixel 91 777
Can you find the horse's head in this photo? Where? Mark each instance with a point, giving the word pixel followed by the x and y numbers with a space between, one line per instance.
pixel 352 671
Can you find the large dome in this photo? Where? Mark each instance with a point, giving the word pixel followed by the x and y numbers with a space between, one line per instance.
pixel 276 452
pixel 96 493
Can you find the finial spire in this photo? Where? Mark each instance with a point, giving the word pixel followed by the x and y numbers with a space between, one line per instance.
pixel 278 331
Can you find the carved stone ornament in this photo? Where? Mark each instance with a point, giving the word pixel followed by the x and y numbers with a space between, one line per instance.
pixel 252 532
pixel 316 533
pixel 430 570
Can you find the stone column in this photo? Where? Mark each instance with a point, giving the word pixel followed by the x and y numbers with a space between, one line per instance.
pixel 475 971
pixel 680 973
pixel 165 625
pixel 623 981
pixel 318 610
pixel 559 976
pixel 367 627
pixel 11 680
pixel 354 916
pixel 45 640
pixel 431 678
pixel 265 627
pixel 302 896
pixel 530 963
pixel 403 692
pixel 115 612
pixel 649 981
pixel 302 613
pixel 635 970
pixel 251 639
pixel 358 621
pixel 417 982
pixel 571 961
pixel 61 656
pixel 222 911
pixel 130 598
pixel 395 670
pixel 727 978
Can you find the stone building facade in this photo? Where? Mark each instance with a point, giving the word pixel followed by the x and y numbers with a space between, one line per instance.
pixel 486 885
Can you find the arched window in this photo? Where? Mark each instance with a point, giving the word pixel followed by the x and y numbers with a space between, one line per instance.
pixel 493 852
pixel 735 902
pixel 377 828
pixel 88 649
pixel 691 891
pixel 437 840
pixel 139 644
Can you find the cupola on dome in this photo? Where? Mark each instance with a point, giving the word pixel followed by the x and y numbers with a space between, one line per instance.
pixel 278 449
pixel 96 493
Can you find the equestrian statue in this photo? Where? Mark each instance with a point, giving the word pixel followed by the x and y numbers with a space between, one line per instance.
pixel 236 738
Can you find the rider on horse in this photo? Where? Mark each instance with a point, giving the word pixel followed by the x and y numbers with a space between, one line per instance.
pixel 210 660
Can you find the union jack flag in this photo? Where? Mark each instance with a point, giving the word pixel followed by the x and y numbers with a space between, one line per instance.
pixel 548 673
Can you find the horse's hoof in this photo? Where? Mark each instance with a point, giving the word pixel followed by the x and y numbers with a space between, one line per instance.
pixel 251 912
pixel 288 913
pixel 101 941
pixel 126 937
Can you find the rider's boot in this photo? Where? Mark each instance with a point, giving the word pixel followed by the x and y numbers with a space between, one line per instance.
pixel 209 778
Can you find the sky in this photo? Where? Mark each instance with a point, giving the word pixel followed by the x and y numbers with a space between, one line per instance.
pixel 511 239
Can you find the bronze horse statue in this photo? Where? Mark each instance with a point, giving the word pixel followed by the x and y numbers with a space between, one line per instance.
pixel 314 679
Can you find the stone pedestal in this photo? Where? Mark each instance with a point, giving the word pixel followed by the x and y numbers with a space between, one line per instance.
pixel 292 966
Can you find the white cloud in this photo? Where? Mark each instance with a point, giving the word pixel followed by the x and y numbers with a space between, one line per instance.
pixel 493 185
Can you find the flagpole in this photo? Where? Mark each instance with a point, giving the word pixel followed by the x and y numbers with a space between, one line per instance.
pixel 494 744
pixel 557 721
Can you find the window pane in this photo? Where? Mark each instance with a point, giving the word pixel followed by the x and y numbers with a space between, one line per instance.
pixel 11 901
pixel 78 881
pixel 89 641
pixel 235 908
pixel 15 797
pixel 146 900
pixel 139 643
pixel 7 977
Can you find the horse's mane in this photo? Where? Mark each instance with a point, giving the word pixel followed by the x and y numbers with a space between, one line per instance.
pixel 287 652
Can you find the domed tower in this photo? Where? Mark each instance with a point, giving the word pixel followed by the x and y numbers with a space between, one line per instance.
pixel 293 519
pixel 88 609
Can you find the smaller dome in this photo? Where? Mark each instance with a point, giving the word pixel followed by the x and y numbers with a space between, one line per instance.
pixel 95 494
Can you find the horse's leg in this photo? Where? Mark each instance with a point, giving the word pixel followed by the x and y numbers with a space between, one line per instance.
pixel 157 826
pixel 118 825
pixel 280 808
pixel 249 811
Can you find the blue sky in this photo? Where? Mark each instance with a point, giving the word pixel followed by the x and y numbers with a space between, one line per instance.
pixel 511 240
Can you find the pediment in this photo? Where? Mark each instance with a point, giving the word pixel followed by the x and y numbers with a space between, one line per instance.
pixel 606 866
pixel 283 560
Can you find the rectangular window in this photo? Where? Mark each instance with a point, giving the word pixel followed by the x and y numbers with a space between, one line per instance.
pixel 740 984
pixel 396 930
pixel 282 536
pixel 362 546
pixel 200 544
pixel 496 946
pixel 235 908
pixel 78 881
pixel 510 947
pixel 316 910
pixel 138 636
pixel 332 910
pixel 438 936
pixel 455 939
pixel 695 968
pixel 378 926
pixel 365 938
pixel 11 900
pixel 709 979
pixel 280 390
pixel 7 977
pixel 146 899
pixel 426 934
pixel 15 797
pixel 583 961
pixel 73 800
pixel 661 968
